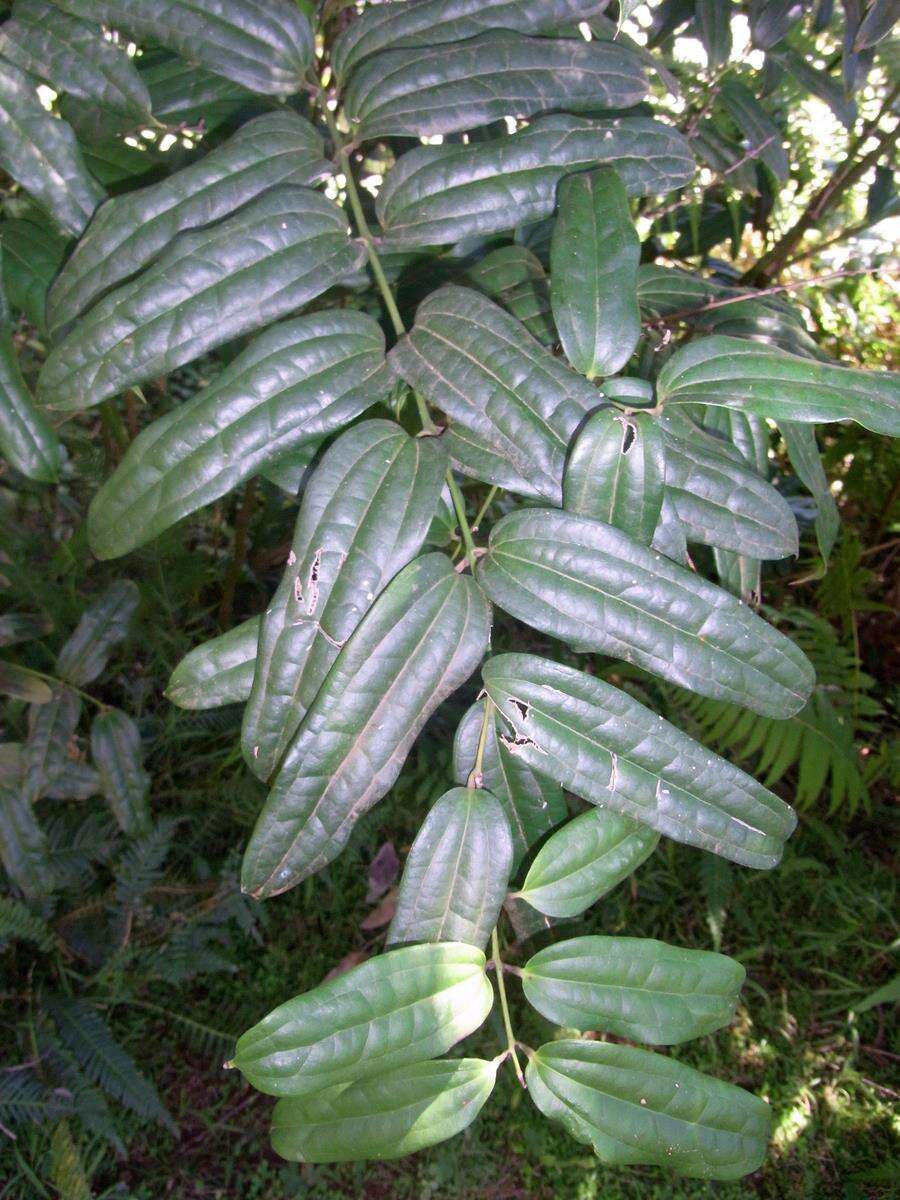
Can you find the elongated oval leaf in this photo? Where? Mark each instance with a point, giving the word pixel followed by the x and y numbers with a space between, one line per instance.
pixel 456 873
pixel 713 18
pixel 588 584
pixel 210 286
pixel 616 472
pixel 216 672
pixel 532 803
pixel 803 451
pixel 28 441
pixel 441 194
pixel 606 747
pixel 637 988
pixel 365 513
pixel 116 751
pixel 22 684
pixel 23 846
pixel 386 1117
pixel 422 638
pixel 594 256
pixel 131 230
pixel 514 277
pixel 771 383
pixel 33 252
pixel 444 89
pixel 584 860
pixel 512 406
pixel 22 627
pixel 290 386
pixel 633 1106
pixel 50 726
pixel 399 1008
pixel 761 135
pixel 266 45
pixel 102 626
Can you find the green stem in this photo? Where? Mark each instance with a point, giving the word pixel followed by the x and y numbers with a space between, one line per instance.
pixel 459 507
pixel 504 1007
pixel 64 683
pixel 476 775
pixel 488 500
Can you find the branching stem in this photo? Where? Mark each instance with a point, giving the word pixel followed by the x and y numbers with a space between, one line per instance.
pixel 476 775
pixel 504 1007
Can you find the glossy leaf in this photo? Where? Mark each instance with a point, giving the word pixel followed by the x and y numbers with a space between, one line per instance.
pixel 594 257
pixel 28 441
pixel 512 406
pixel 761 134
pixel 422 638
pixel 102 626
pixel 803 451
pixel 32 254
pixel 588 584
pixel 441 194
pixel 216 672
pixel 185 94
pixel 632 1106
pixel 770 383
pixel 130 231
pixel 514 277
pixel 606 747
pixel 386 1117
pixel 21 684
pixel 23 846
pixel 584 861
pixel 532 803
pixel 210 286
pixel 116 752
pixel 365 513
pixel 636 988
pixel 616 472
pixel 456 873
pixel 293 384
pixel 396 1009
pixel 50 727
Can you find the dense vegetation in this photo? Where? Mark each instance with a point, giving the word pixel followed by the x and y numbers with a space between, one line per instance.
pixel 534 484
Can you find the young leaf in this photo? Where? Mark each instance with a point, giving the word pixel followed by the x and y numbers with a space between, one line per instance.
pixel 399 1008
pixel 594 256
pixel 606 747
pixel 116 751
pixel 456 873
pixel 514 277
pixel 216 672
pixel 385 1117
pixel 23 844
pixel 102 626
pixel 633 1106
pixel 584 861
pixel 636 988
pixel 365 513
pixel 591 586
pixel 422 638
pixel 50 726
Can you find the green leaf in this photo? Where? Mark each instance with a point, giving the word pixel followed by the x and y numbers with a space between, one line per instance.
pixel 185 94
pixel 50 727
pixel 514 277
pixel 456 873
pixel 761 135
pixel 28 441
pixel 131 230
pixel 18 922
pixel 441 194
pixel 633 1106
pixel 591 586
pixel 713 19
pixel 435 23
pixel 40 152
pixel 819 82
pixel 532 803
pixel 293 384
pixel 584 861
pixel 616 472
pixel 214 284
pixel 116 751
pixel 394 1114
pixel 888 993
pixel 365 513
pixel 511 405
pixel 102 626
pixel 449 88
pixel 32 254
pixel 217 672
pixel 19 683
pixel 399 1008
pixel 803 451
pixel 606 747
pixel 23 845
pixel 876 24
pixel 772 20
pixel 421 640
pixel 636 988
pixel 594 255
pixel 265 47
pixel 289 470
pixel 771 383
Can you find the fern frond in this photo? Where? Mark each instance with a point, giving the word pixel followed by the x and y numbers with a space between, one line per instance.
pixel 19 923
pixel 66 1167
pixel 75 845
pixel 88 1102
pixel 24 1099
pixel 141 864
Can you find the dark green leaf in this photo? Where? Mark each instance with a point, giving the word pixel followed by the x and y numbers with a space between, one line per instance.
pixel 772 20
pixel 51 724
pixel 514 277
pixel 878 22
pixel 28 441
pixel 23 846
pixel 32 254
pixel 216 672
pixel 803 451
pixel 713 19
pixel 762 136
pixel 819 82
pixel 102 626
pixel 116 751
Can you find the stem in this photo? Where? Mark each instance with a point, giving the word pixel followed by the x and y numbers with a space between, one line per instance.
pixel 504 1007
pixel 65 684
pixel 459 507
pixel 476 775
pixel 488 500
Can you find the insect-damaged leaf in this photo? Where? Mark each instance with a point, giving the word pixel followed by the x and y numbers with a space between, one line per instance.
pixel 514 277
pixel 399 1008
pixel 636 988
pixel 291 385
pixel 588 584
pixel 422 638
pixel 365 513
pixel 211 285
pixel 772 383
pixel 456 872
pixel 584 860
pixel 633 1106
pixel 216 672
pixel 512 406
pixel 102 626
pixel 116 751
pixel 441 194
pixel 609 749
pixel 448 88
pixel 594 256
pixel 385 1117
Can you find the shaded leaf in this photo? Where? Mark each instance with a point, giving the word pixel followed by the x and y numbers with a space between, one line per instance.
pixel 116 751
pixel 23 844
pixel 514 277
pixel 50 726
pixel 216 672
pixel 102 626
